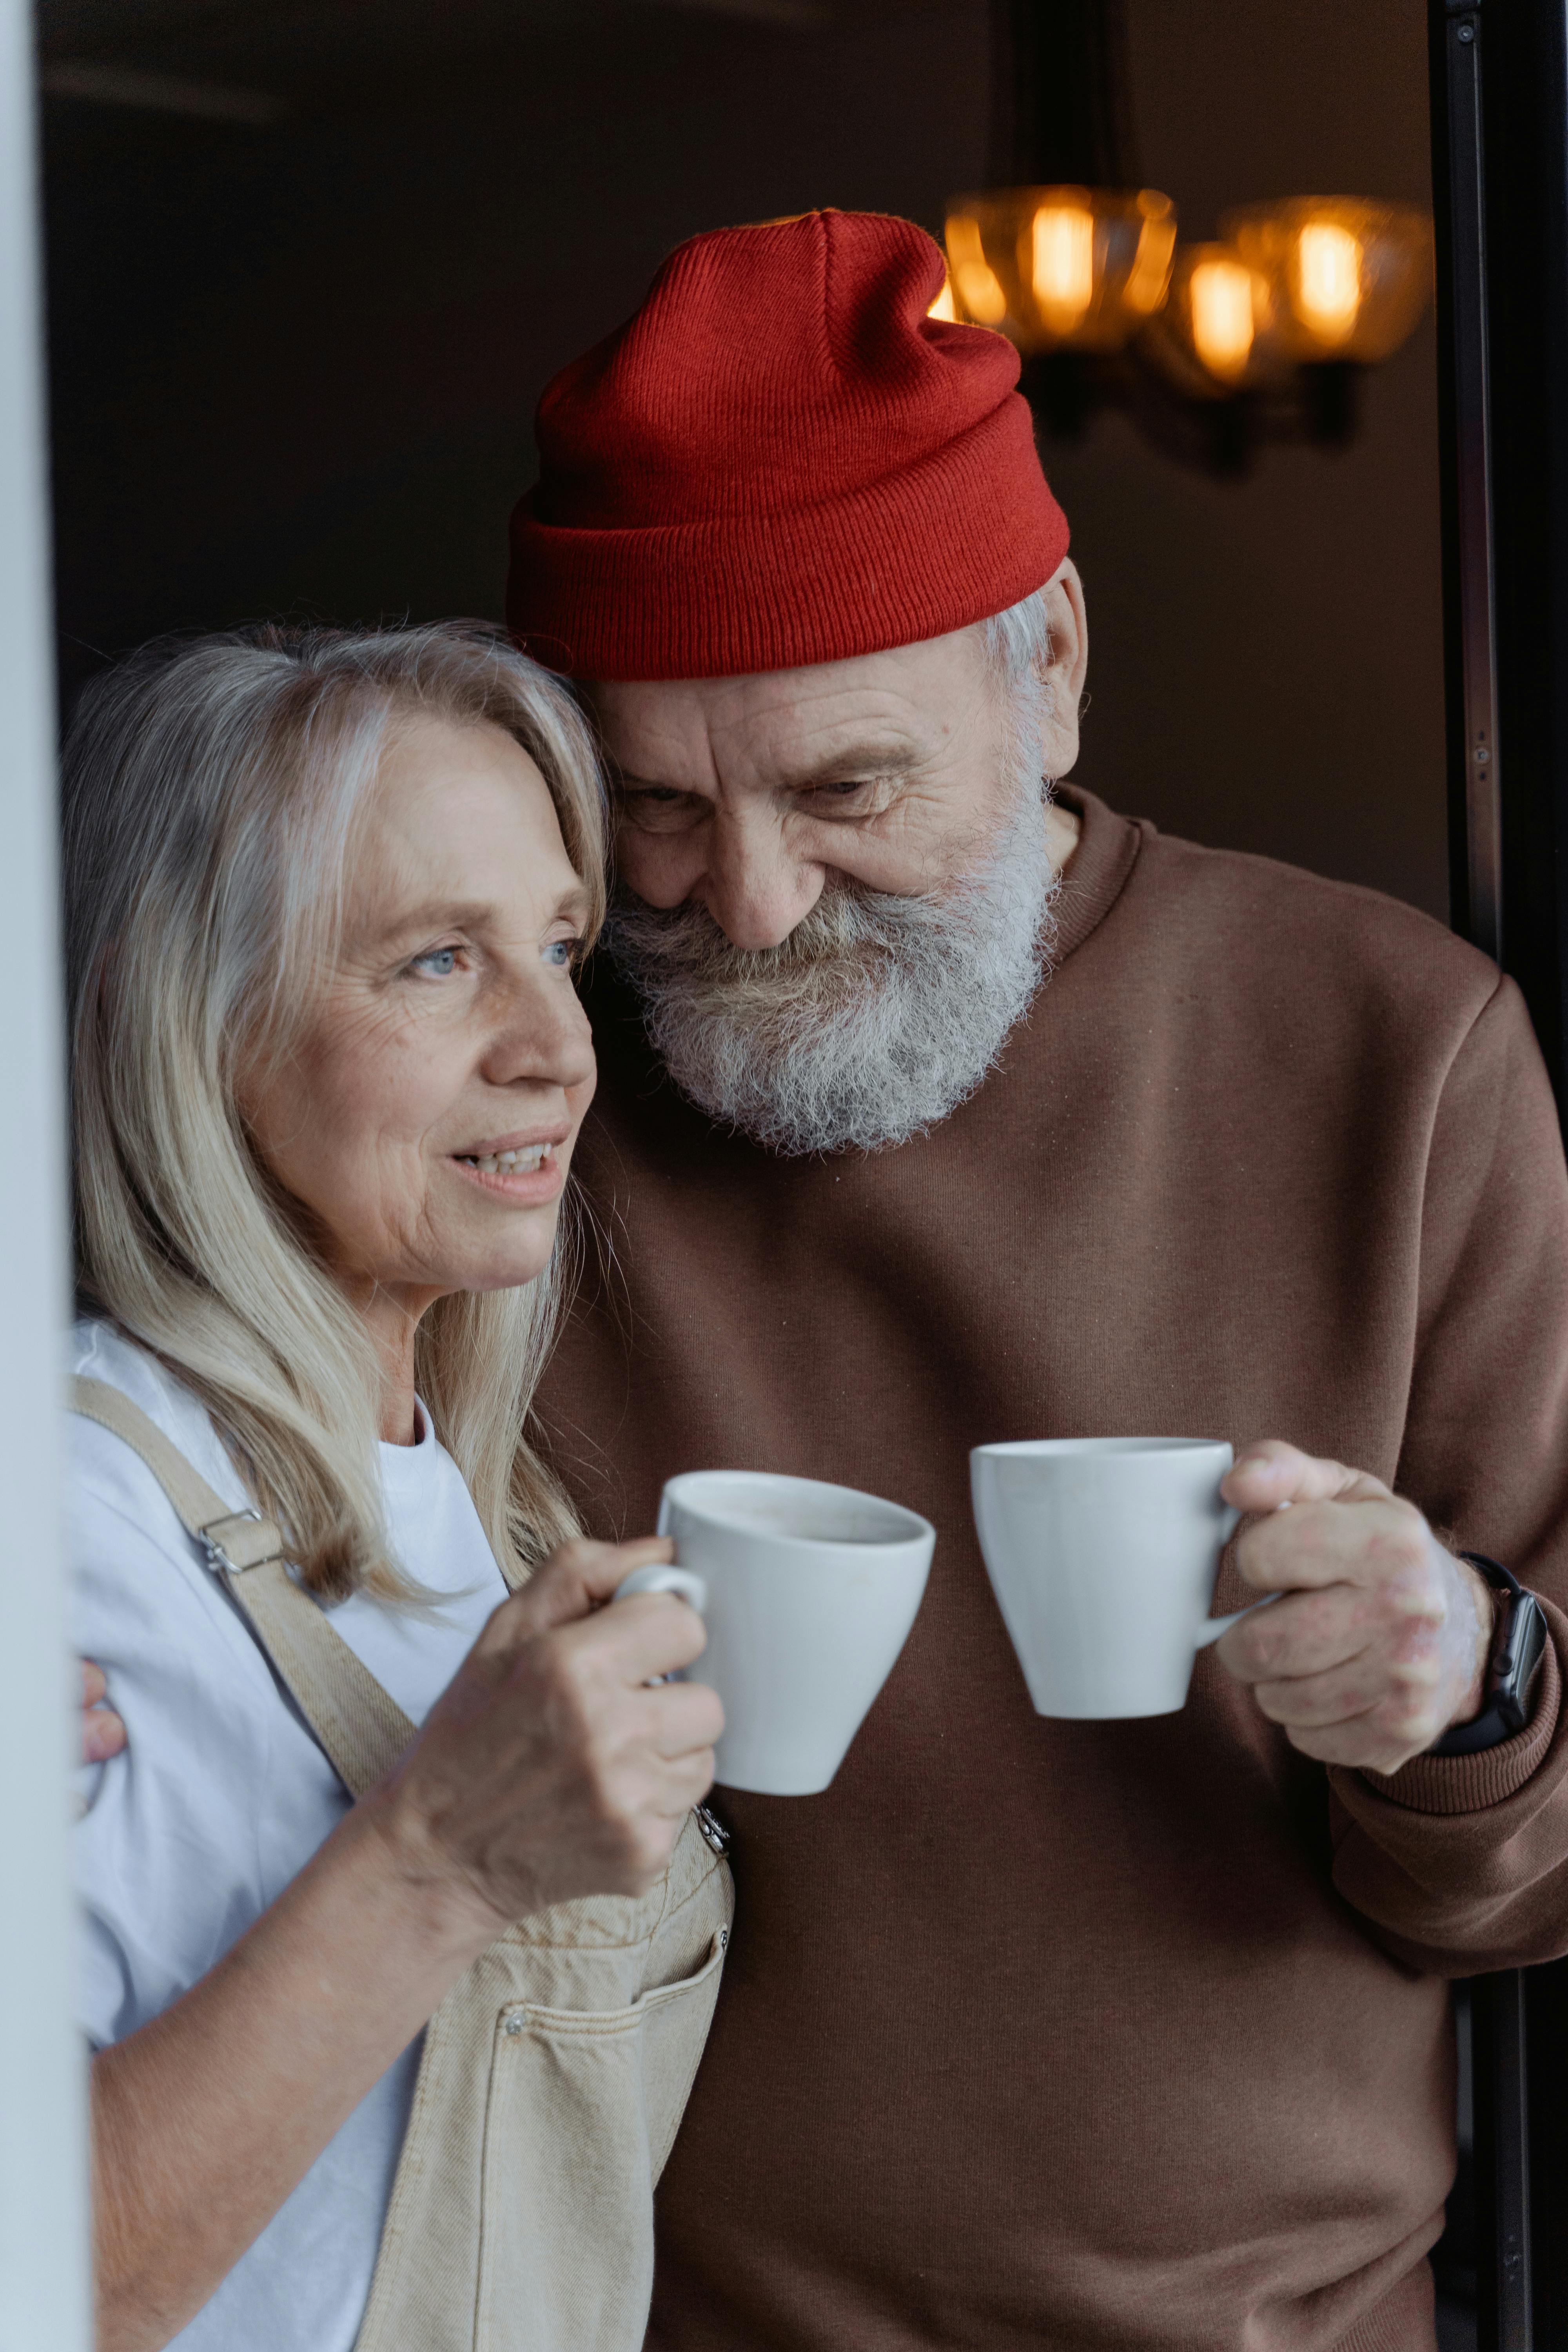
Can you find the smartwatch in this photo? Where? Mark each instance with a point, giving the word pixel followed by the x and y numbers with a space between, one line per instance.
pixel 1519 1646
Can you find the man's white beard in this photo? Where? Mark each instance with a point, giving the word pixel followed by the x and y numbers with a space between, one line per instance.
pixel 874 1020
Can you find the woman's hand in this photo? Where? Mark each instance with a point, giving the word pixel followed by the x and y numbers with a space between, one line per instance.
pixel 550 1768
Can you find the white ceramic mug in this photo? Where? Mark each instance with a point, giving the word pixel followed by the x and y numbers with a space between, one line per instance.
pixel 808 1594
pixel 1102 1553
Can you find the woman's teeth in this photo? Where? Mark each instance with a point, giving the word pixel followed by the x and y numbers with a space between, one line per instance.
pixel 510 1163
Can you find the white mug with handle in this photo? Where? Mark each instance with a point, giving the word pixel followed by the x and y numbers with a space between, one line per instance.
pixel 1102 1553
pixel 808 1593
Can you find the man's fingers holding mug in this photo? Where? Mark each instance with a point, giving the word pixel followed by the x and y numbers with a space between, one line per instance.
pixel 1269 1472
pixel 1402 1675
pixel 1310 1631
pixel 1382 1638
pixel 1376 1542
pixel 1380 1738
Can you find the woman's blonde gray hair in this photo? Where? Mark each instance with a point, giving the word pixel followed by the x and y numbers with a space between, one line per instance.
pixel 212 791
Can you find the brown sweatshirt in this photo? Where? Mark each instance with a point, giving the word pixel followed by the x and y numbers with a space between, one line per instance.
pixel 1127 2035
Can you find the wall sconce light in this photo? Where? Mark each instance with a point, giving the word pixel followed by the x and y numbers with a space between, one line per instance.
pixel 1062 268
pixel 1222 311
pixel 1261 333
pixel 1353 279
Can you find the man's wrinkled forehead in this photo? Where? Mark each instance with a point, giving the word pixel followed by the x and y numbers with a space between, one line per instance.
pixel 892 711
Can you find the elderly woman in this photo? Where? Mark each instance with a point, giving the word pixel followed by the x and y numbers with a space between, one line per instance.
pixel 325 897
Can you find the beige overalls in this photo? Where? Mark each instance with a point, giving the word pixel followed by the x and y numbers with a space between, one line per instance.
pixel 555 2071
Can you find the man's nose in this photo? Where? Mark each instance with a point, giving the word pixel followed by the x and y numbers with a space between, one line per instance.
pixel 755 887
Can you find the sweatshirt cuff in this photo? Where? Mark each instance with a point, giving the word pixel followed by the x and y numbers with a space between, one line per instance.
pixel 1468 1784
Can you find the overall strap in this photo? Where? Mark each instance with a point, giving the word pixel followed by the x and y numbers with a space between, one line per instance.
pixel 362 1730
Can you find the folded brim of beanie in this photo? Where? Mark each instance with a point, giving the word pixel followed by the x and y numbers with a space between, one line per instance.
pixel 964 533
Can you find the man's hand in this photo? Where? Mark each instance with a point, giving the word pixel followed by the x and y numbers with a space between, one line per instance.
pixel 1381 1641
pixel 102 1733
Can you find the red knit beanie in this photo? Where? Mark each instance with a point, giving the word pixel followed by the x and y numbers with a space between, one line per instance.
pixel 780 460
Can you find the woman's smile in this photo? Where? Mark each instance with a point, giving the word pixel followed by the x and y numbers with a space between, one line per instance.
pixel 526 1169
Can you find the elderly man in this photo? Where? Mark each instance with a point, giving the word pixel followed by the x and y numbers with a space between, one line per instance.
pixel 936 1108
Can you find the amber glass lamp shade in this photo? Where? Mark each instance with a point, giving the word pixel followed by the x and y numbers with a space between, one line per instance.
pixel 1349 279
pixel 1061 269
pixel 1223 314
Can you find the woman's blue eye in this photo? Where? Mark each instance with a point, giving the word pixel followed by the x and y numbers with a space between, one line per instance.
pixel 560 953
pixel 441 962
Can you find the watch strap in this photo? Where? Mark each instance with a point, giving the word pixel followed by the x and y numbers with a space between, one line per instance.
pixel 1517 1646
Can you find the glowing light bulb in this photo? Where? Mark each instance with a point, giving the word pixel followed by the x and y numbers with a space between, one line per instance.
pixel 943 307
pixel 982 291
pixel 1149 274
pixel 1062 269
pixel 1328 280
pixel 1343 278
pixel 1220 293
pixel 976 283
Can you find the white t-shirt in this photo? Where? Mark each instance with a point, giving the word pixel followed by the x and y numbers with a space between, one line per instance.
pixel 222 1796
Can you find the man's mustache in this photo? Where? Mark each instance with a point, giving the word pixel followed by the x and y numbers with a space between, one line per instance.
pixel 848 924
pixel 870 1022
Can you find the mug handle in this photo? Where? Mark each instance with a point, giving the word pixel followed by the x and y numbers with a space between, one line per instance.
pixel 1214 1628
pixel 662 1577
pixel 657 1579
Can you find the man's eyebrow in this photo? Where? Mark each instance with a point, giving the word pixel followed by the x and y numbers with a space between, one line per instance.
pixel 864 759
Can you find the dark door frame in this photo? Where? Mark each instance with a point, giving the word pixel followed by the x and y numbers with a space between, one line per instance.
pixel 1500 163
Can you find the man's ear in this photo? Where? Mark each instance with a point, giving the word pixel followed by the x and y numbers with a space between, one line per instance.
pixel 1067 670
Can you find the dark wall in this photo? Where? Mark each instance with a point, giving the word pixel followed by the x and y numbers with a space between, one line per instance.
pixel 1266 655
pixel 294 361
pixel 297 365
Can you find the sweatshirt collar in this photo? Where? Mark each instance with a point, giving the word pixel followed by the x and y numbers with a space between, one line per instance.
pixel 1097 872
